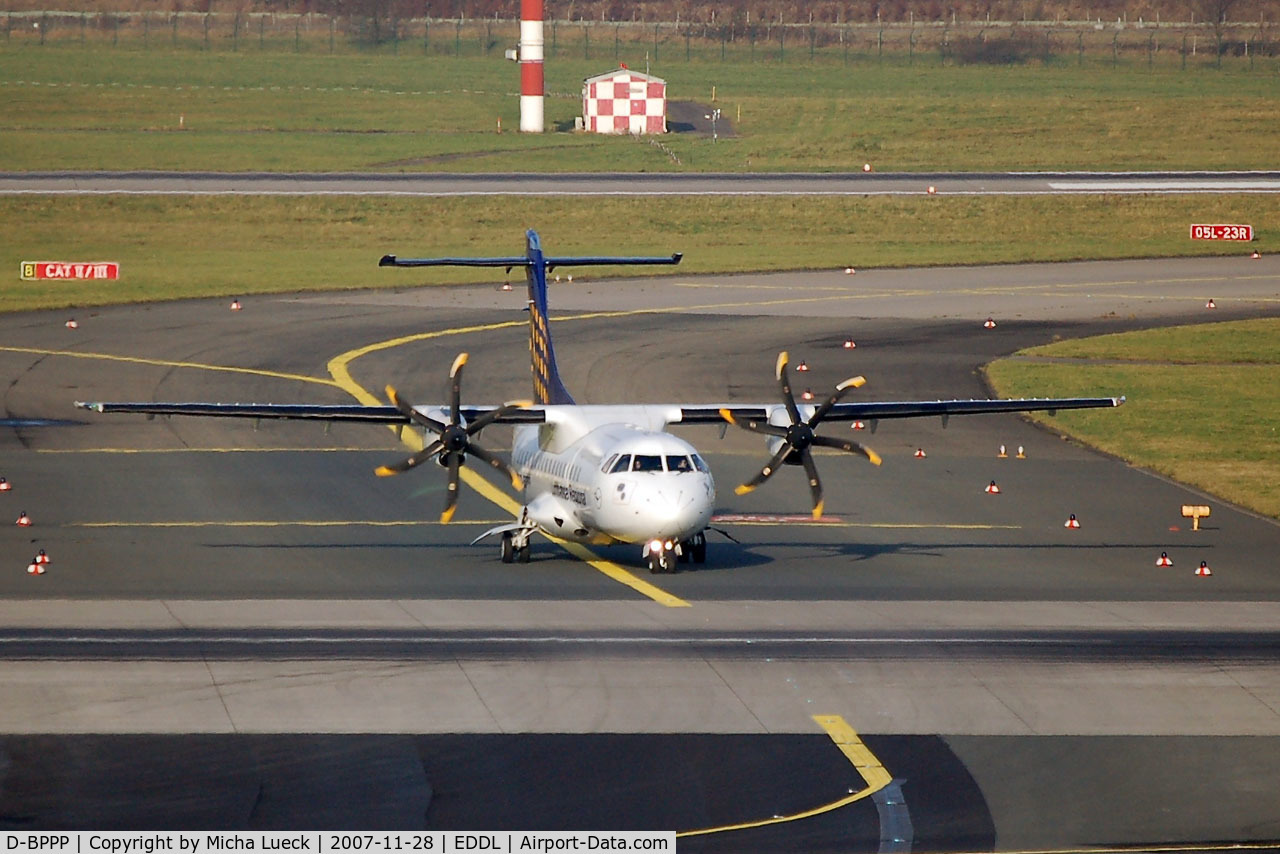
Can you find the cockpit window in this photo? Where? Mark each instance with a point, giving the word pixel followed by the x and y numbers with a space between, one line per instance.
pixel 623 464
pixel 679 464
pixel 700 465
pixel 643 462
pixel 607 466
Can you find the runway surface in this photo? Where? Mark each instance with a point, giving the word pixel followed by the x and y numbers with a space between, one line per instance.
pixel 618 184
pixel 217 589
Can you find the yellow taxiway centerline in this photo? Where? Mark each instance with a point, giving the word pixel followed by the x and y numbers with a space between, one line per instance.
pixel 864 761
pixel 164 363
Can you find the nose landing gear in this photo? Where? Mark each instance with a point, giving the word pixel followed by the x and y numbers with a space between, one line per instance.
pixel 662 555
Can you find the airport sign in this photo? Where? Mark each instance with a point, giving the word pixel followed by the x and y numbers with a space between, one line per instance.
pixel 37 270
pixel 1222 232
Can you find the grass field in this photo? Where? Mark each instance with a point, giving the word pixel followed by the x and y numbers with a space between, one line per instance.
pixel 175 247
pixel 1202 407
pixel 94 107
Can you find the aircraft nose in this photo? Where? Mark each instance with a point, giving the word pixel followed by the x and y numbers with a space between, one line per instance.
pixel 677 509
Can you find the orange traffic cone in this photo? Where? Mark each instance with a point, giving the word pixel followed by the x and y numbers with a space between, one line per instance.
pixel 989 324
pixel 920 453
pixel 71 324
pixel 34 568
pixel 1255 256
pixel 802 366
pixel 1203 569
pixel 849 271
pixel 506 286
pixel 23 521
pixel 932 189
pixel 235 305
pixel 866 167
pixel 806 395
pixel 1021 454
pixel 857 425
pixel 1164 559
pixel 992 489
pixel 1072 522
pixel 5 486
pixel 41 557
pixel 1002 455
pixel 848 344
pixel 1210 304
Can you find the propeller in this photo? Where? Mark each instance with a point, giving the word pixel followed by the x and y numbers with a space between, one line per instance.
pixel 799 436
pixel 454 439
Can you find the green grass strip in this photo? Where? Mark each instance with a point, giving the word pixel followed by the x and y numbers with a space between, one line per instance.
pixel 175 247
pixel 1202 402
pixel 93 107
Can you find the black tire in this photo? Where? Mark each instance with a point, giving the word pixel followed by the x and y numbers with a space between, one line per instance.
pixel 684 555
pixel 699 549
pixel 654 566
pixel 667 562
pixel 508 548
pixel 522 553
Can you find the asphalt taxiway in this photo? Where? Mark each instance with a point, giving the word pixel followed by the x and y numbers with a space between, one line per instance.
pixel 218 588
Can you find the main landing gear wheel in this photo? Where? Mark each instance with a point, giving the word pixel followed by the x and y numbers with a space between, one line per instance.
pixel 697 548
pixel 522 553
pixel 508 548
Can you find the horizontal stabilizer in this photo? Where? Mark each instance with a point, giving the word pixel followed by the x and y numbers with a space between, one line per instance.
pixel 522 261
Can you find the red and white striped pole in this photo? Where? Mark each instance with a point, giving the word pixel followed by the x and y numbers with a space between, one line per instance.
pixel 531 85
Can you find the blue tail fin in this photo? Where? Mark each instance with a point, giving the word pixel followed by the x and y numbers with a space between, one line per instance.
pixel 547 387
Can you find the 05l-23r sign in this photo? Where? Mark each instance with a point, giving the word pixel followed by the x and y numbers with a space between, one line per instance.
pixel 1222 232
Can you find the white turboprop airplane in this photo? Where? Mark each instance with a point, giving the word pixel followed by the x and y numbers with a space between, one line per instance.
pixel 605 474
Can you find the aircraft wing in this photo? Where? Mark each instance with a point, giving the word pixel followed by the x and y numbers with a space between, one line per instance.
pixel 302 412
pixel 872 411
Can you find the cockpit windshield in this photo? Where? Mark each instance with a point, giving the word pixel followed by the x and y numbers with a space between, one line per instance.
pixel 644 462
pixel 679 464
pixel 623 463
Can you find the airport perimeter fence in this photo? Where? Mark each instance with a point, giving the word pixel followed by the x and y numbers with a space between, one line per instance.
pixel 1122 44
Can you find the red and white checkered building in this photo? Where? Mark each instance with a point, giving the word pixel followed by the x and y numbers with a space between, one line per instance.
pixel 624 101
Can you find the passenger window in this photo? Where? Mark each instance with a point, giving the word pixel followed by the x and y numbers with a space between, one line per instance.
pixel 700 465
pixel 679 464
pixel 623 464
pixel 646 463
